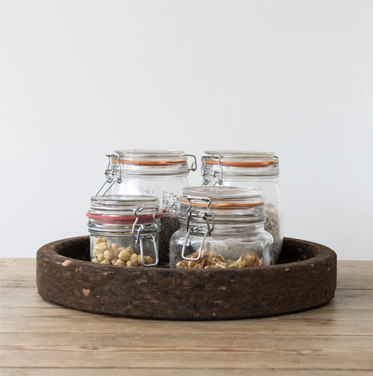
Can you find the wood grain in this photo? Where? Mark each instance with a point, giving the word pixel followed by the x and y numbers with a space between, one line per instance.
pixel 175 372
pixel 40 338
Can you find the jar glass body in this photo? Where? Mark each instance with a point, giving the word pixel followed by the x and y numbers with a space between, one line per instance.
pixel 167 188
pixel 119 247
pixel 257 171
pixel 228 246
pixel 124 230
pixel 163 174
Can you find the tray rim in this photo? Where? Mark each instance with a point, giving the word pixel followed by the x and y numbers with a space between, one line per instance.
pixel 276 267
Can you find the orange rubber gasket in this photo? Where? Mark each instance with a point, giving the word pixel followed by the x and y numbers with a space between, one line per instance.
pixel 148 163
pixel 224 204
pixel 242 164
pixel 141 217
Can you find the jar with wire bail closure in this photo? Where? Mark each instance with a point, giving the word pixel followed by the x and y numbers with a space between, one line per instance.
pixel 221 227
pixel 124 230
pixel 249 169
pixel 162 173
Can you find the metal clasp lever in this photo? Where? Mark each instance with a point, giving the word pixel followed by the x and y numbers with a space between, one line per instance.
pixel 153 235
pixel 218 176
pixel 113 173
pixel 206 217
pixel 193 167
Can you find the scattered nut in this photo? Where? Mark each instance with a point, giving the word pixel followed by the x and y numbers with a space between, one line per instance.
pixel 138 259
pixel 131 263
pixel 148 260
pixel 125 255
pixel 99 240
pixel 252 260
pixel 105 253
pixel 242 262
pixel 182 264
pixel 109 254
pixel 211 261
pixel 100 257
pixel 101 247
pixel 113 261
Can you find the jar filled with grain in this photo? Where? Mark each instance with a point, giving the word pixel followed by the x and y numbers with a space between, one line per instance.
pixel 249 169
pixel 162 173
pixel 124 230
pixel 221 228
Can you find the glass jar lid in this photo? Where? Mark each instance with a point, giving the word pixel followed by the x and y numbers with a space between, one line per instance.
pixel 240 162
pixel 123 207
pixel 150 162
pixel 221 197
pixel 150 157
pixel 225 204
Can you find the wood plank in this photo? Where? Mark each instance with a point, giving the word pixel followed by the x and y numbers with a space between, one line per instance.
pixel 355 275
pixel 135 342
pixel 174 372
pixel 202 359
pixel 17 264
pixel 90 323
pixel 28 297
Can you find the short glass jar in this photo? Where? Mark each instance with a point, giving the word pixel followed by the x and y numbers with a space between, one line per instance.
pixel 124 230
pixel 221 227
pixel 162 173
pixel 249 169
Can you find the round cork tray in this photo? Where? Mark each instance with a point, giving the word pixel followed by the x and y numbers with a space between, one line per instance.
pixel 305 277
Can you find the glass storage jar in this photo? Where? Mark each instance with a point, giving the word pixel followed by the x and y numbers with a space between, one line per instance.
pixel 124 230
pixel 162 173
pixel 249 169
pixel 221 227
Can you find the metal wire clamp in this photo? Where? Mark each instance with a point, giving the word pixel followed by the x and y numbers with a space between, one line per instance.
pixel 217 175
pixel 193 167
pixel 151 234
pixel 113 173
pixel 208 217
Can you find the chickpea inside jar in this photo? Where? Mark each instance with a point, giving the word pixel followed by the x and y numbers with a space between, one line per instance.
pixel 221 228
pixel 124 230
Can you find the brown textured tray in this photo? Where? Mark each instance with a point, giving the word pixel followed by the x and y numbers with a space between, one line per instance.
pixel 304 278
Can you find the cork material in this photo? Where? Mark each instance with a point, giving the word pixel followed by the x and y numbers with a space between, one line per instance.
pixel 305 277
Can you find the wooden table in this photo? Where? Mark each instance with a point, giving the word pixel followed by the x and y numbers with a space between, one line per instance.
pixel 40 338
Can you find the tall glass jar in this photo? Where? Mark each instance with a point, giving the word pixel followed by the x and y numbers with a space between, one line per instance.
pixel 162 173
pixel 124 230
pixel 221 227
pixel 249 169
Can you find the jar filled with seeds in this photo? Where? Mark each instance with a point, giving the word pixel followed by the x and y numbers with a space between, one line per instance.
pixel 249 169
pixel 161 173
pixel 124 230
pixel 221 228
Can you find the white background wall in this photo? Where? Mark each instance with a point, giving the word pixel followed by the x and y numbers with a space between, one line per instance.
pixel 80 79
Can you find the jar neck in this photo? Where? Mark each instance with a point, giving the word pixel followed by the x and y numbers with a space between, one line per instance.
pixel 102 227
pixel 225 228
pixel 166 171
pixel 270 171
